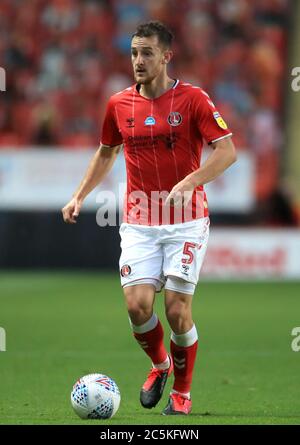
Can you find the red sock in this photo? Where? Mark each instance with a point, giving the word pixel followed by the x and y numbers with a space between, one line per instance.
pixel 152 343
pixel 184 359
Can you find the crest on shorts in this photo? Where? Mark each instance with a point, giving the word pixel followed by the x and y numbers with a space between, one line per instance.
pixel 125 270
pixel 174 118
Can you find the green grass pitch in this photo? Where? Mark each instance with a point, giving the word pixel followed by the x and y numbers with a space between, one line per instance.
pixel 61 326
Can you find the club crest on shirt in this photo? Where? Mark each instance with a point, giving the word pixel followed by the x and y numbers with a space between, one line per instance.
pixel 125 270
pixel 220 121
pixel 150 120
pixel 174 118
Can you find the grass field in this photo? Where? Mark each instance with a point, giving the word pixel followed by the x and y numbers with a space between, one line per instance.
pixel 61 326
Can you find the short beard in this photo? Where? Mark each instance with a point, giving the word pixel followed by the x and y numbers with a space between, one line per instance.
pixel 145 81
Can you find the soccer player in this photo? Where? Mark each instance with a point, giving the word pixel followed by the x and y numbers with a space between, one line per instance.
pixel 161 123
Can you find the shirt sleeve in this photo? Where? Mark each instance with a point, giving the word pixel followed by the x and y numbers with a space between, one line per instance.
pixel 111 135
pixel 208 120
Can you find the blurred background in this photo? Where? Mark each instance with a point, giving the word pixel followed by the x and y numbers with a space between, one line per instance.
pixel 64 58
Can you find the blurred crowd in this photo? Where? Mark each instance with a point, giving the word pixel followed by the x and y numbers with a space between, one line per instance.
pixel 64 58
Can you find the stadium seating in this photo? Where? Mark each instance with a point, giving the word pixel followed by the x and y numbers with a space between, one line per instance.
pixel 64 58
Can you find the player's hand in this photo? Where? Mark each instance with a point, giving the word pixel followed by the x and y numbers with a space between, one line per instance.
pixel 181 193
pixel 71 211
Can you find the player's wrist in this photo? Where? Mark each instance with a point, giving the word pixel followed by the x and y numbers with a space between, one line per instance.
pixel 194 179
pixel 78 197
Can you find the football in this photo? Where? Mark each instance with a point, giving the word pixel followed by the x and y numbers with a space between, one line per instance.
pixel 95 396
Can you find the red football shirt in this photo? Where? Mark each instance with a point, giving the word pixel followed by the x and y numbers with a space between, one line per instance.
pixel 163 140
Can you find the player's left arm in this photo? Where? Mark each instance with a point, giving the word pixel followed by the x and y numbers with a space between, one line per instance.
pixel 222 157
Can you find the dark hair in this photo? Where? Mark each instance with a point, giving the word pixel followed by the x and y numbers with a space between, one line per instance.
pixel 155 28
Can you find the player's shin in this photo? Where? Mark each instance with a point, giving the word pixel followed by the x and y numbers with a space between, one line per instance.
pixel 150 337
pixel 184 351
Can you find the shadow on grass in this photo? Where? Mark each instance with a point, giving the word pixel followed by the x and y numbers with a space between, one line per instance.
pixel 214 415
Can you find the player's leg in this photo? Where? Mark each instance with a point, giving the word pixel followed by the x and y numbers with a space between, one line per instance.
pixel 149 333
pixel 141 276
pixel 145 324
pixel 184 250
pixel 184 343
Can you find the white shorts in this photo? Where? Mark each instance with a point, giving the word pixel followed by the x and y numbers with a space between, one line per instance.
pixel 156 252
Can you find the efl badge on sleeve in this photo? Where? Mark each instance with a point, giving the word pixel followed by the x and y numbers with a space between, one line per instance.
pixel 220 121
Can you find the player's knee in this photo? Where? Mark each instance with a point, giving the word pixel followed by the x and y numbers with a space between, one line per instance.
pixel 139 303
pixel 139 310
pixel 138 314
pixel 177 313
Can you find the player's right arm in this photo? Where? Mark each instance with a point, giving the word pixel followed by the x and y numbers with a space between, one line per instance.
pixel 99 166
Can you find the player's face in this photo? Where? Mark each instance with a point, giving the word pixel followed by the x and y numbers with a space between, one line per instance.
pixel 148 58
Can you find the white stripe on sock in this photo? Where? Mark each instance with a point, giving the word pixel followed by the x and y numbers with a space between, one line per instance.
pixel 187 395
pixel 163 365
pixel 148 326
pixel 187 339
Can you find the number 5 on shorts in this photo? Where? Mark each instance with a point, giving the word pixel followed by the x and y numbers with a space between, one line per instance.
pixel 187 251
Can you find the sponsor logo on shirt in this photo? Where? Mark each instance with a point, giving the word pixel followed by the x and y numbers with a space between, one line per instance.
pixel 170 141
pixel 174 118
pixel 141 141
pixel 150 121
pixel 220 121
